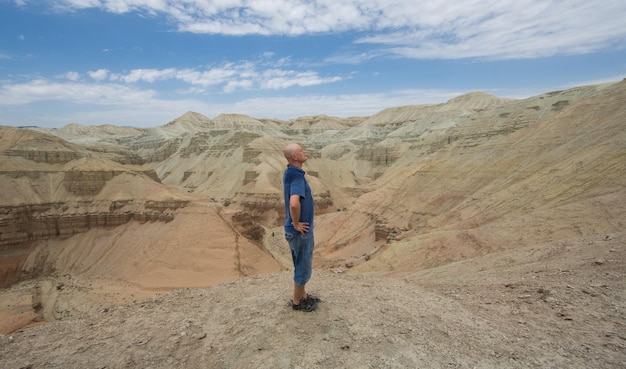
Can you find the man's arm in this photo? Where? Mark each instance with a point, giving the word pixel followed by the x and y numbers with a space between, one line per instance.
pixel 294 211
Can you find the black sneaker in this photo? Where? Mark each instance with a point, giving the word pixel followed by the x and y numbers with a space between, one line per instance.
pixel 312 298
pixel 305 305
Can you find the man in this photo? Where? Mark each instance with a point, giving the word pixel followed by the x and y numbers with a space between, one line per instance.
pixel 299 211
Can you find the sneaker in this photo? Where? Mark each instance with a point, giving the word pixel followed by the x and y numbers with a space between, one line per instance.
pixel 312 298
pixel 305 305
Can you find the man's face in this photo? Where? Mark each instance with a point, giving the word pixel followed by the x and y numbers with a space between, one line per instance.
pixel 299 155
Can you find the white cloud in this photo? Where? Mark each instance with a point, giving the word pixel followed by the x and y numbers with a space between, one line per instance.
pixel 99 74
pixel 72 76
pixel 227 73
pixel 146 75
pixel 76 4
pixel 279 79
pixel 525 29
pixel 123 106
pixel 78 93
pixel 121 92
pixel 129 106
pixel 495 29
pixel 244 84
pixel 232 76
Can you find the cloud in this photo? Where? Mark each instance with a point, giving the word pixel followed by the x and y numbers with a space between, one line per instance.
pixel 78 93
pixel 232 86
pixel 72 76
pixel 524 29
pixel 99 74
pixel 244 75
pixel 280 79
pixel 132 106
pixel 123 106
pixel 228 73
pixel 133 88
pixel 492 29
pixel 145 75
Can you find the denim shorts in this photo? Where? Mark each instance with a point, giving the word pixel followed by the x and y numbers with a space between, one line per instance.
pixel 302 254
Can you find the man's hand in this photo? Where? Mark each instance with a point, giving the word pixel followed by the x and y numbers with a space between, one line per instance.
pixel 301 227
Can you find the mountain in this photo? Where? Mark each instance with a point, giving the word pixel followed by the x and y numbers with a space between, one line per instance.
pixel 481 197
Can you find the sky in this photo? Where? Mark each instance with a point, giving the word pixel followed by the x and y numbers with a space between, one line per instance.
pixel 143 63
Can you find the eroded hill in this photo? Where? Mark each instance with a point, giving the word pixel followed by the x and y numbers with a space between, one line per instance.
pixel 97 217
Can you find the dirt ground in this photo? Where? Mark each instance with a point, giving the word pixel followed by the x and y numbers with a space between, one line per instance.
pixel 556 305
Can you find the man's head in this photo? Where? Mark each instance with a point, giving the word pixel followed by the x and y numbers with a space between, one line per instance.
pixel 295 155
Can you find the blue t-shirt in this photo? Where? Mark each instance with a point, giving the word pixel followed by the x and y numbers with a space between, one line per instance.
pixel 294 183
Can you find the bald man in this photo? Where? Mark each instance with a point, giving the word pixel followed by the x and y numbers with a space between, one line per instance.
pixel 299 212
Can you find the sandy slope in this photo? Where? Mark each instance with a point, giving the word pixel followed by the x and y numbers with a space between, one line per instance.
pixel 559 305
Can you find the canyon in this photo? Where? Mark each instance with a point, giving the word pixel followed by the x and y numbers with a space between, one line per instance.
pixel 479 194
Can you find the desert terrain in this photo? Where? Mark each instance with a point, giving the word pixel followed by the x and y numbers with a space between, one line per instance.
pixel 477 233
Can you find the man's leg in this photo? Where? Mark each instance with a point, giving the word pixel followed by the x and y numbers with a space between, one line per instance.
pixel 298 293
pixel 302 254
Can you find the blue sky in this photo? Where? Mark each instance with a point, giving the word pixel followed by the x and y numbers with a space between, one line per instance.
pixel 143 63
